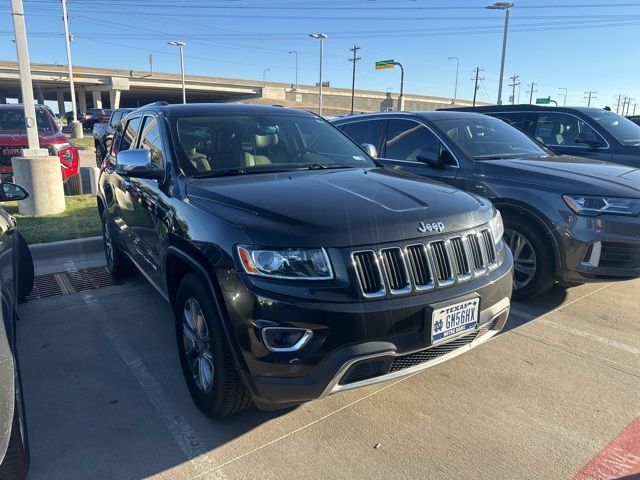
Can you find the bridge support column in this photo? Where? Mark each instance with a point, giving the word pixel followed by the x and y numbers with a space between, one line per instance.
pixel 40 97
pixel 114 98
pixel 60 97
pixel 82 101
pixel 97 98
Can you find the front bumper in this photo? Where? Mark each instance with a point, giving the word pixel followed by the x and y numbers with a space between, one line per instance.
pixel 600 248
pixel 353 344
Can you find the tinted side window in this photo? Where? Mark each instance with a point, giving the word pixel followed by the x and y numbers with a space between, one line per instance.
pixel 524 121
pixel 151 140
pixel 366 131
pixel 406 137
pixel 130 134
pixel 561 129
pixel 115 118
pixel 115 143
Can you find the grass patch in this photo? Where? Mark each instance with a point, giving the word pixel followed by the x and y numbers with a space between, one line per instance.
pixel 80 220
pixel 84 142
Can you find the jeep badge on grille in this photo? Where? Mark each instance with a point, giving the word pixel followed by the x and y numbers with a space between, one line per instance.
pixel 430 227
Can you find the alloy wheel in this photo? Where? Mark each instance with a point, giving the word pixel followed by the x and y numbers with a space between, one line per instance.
pixel 524 258
pixel 197 345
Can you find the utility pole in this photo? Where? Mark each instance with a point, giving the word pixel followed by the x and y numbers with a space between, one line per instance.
pixel 354 59
pixel 76 130
pixel 590 95
pixel 477 82
pixel 634 109
pixel 34 167
pixel 514 83
pixel 618 105
pixel 628 106
pixel 531 92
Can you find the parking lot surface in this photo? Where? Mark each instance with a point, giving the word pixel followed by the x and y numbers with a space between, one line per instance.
pixel 105 399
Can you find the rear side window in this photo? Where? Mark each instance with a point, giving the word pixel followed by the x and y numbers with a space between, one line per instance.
pixel 151 140
pixel 115 118
pixel 561 129
pixel 366 131
pixel 406 137
pixel 524 121
pixel 130 134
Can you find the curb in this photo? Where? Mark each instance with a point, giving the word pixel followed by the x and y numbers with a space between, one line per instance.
pixel 66 248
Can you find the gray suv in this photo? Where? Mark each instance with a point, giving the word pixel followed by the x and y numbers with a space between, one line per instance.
pixel 566 218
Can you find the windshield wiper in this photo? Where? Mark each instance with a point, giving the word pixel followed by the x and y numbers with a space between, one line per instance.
pixel 324 166
pixel 221 173
pixel 499 156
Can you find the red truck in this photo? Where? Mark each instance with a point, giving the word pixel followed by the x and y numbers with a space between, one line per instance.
pixel 13 138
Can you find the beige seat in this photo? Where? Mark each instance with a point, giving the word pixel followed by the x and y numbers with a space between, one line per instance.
pixel 262 142
pixel 199 160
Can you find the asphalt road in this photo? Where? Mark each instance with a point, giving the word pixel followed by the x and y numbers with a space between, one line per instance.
pixel 105 399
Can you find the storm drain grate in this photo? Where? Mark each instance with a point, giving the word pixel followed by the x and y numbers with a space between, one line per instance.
pixel 72 281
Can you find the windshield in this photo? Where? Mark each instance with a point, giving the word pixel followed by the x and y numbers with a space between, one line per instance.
pixel 623 129
pixel 224 144
pixel 485 138
pixel 13 120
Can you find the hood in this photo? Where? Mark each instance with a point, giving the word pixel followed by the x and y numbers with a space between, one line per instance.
pixel 336 208
pixel 18 138
pixel 569 175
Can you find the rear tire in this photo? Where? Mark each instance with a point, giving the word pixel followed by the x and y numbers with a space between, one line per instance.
pixel 25 269
pixel 73 185
pixel 99 155
pixel 118 263
pixel 205 357
pixel 531 250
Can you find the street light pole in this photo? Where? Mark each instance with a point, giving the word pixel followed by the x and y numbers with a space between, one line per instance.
pixel 502 6
pixel 401 96
pixel 564 102
pixel 455 91
pixel 264 76
pixel 322 37
pixel 76 130
pixel 296 54
pixel 181 45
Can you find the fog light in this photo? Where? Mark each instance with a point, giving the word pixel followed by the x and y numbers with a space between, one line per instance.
pixel 285 339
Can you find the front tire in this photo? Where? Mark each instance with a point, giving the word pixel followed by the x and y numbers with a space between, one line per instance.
pixel 205 357
pixel 118 263
pixel 533 259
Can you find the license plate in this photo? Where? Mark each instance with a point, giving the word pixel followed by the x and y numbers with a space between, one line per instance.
pixel 449 321
pixel 11 151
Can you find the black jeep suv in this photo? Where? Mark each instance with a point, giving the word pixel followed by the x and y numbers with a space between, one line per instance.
pixel 295 265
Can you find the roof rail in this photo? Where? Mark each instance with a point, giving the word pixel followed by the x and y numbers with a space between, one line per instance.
pixel 156 104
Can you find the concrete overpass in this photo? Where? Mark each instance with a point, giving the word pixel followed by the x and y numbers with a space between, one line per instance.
pixel 112 88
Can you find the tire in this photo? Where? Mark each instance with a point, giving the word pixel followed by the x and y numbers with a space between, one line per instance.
pixel 118 263
pixel 16 460
pixel 222 393
pixel 535 251
pixel 99 155
pixel 25 269
pixel 73 185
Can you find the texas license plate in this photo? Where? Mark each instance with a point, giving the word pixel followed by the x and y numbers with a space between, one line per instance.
pixel 451 320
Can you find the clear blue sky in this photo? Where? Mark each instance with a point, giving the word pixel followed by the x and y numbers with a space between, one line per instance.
pixel 576 44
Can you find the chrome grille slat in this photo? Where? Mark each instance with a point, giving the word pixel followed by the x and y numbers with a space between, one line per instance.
pixel 436 263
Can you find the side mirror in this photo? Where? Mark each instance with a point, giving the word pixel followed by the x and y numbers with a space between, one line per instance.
pixel 136 163
pixel 429 157
pixel 370 149
pixel 10 192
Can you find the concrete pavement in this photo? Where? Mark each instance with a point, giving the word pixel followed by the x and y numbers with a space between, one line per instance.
pixel 105 398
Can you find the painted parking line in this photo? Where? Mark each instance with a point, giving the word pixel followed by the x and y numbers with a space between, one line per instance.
pixel 620 459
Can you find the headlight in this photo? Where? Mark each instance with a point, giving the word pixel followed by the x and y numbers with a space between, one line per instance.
pixel 289 263
pixel 497 227
pixel 593 205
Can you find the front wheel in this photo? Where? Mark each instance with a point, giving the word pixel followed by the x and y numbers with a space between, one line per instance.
pixel 533 260
pixel 205 357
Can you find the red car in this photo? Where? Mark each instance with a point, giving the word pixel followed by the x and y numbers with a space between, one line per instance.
pixel 13 138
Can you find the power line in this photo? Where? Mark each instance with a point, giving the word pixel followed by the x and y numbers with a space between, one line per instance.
pixel 514 83
pixel 477 80
pixel 531 91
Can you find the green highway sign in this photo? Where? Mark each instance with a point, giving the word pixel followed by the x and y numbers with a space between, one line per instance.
pixel 384 64
pixel 543 101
